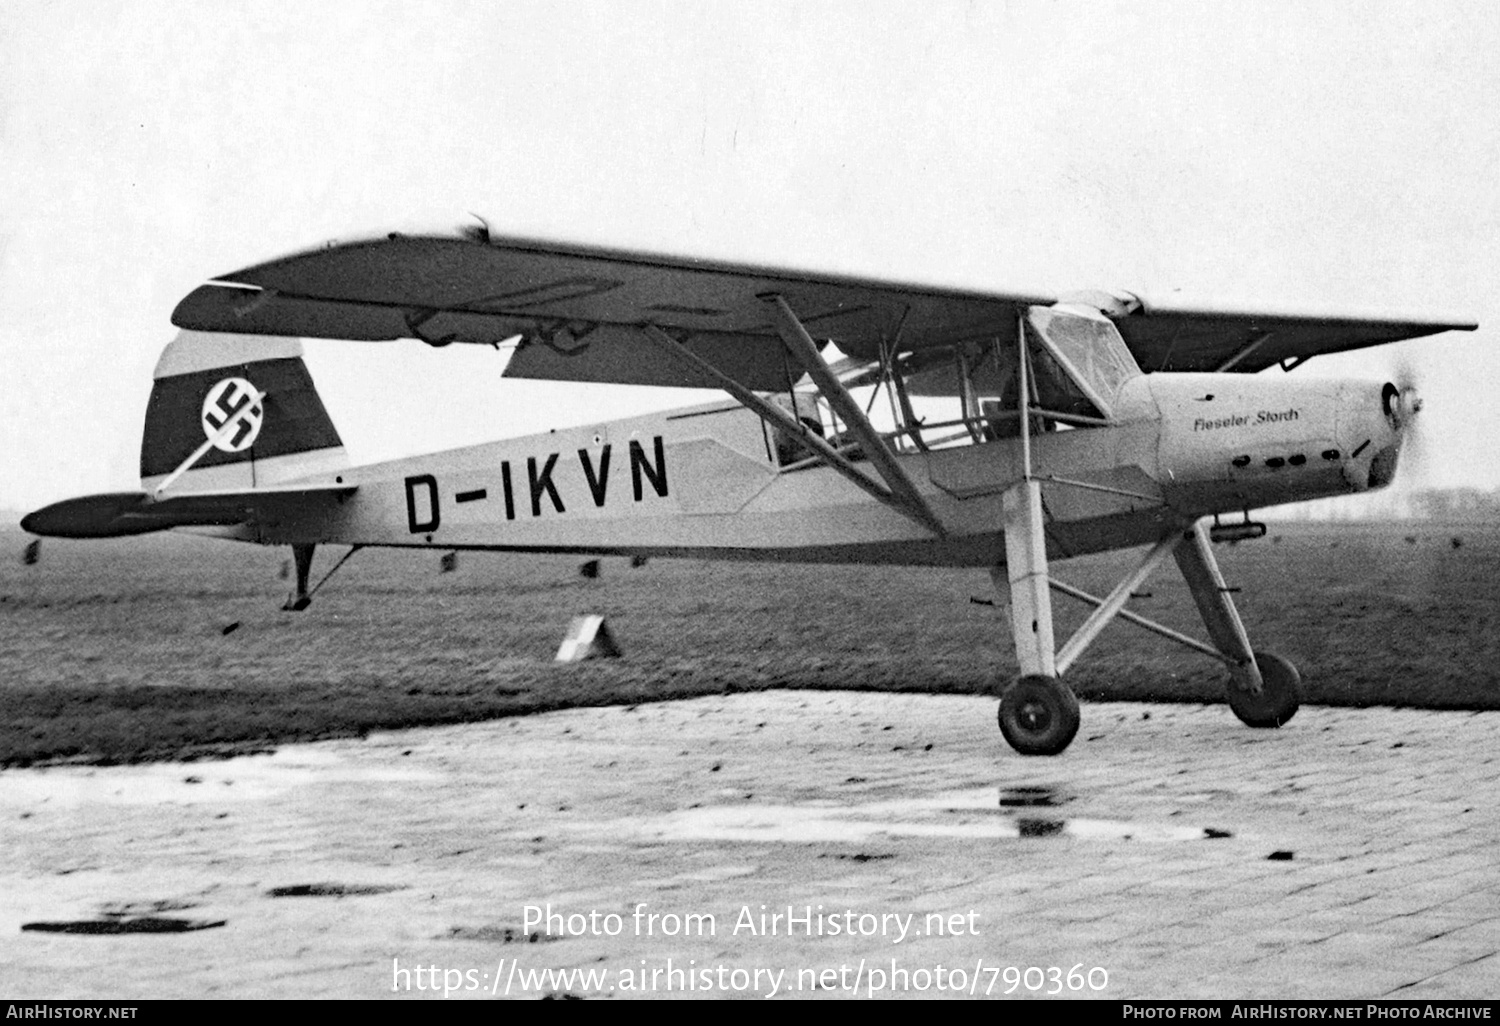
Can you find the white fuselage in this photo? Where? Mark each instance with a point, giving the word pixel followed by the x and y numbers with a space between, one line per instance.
pixel 705 481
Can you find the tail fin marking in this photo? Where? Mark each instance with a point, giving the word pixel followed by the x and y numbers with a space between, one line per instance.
pixel 260 386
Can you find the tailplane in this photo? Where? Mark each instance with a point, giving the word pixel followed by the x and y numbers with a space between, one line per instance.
pixel 235 435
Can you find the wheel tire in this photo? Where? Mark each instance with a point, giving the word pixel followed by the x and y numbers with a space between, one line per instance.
pixel 1279 698
pixel 1038 715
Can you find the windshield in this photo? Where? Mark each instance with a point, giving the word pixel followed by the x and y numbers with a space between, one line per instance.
pixel 1088 349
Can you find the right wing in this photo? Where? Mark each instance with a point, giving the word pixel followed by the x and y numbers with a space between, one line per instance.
pixel 1188 338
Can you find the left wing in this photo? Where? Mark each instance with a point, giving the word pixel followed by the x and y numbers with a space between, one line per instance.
pixel 579 311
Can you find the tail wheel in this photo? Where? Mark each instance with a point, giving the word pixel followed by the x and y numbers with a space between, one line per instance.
pixel 1280 695
pixel 1038 715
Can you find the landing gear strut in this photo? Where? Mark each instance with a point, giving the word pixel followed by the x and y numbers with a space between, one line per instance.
pixel 1039 713
pixel 302 555
pixel 300 599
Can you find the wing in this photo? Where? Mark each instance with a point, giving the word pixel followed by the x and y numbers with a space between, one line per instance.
pixel 578 312
pixel 118 514
pixel 1167 338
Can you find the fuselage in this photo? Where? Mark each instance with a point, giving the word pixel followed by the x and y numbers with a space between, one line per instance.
pixel 707 481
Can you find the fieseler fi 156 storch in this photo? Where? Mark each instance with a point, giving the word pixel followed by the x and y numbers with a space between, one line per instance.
pixel 941 427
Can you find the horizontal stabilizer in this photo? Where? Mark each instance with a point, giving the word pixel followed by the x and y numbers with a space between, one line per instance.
pixel 120 514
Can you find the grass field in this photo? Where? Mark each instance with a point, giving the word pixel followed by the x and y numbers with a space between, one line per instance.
pixel 175 646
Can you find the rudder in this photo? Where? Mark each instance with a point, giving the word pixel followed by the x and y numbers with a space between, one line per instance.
pixel 203 382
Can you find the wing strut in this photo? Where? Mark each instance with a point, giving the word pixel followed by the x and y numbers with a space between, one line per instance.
pixel 769 411
pixel 774 414
pixel 904 491
pixel 1247 349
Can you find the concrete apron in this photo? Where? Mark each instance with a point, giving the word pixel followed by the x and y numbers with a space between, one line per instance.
pixel 788 843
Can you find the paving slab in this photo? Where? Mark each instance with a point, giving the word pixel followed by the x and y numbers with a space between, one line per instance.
pixel 775 844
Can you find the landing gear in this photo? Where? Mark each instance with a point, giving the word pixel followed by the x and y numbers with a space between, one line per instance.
pixel 1038 715
pixel 302 555
pixel 300 599
pixel 1265 689
pixel 1280 693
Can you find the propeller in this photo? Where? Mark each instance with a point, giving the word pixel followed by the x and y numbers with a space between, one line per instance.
pixel 1404 408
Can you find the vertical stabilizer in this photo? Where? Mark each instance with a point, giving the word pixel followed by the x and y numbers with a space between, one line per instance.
pixel 244 406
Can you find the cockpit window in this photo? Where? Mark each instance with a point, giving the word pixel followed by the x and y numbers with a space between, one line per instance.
pixel 1089 358
pixel 1078 363
pixel 1056 389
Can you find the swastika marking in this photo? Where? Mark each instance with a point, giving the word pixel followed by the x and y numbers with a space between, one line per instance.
pixel 233 399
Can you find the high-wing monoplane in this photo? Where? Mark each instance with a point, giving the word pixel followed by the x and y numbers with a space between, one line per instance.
pixel 872 421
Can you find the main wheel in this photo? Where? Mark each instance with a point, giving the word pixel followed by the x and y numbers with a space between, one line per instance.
pixel 1038 715
pixel 1280 695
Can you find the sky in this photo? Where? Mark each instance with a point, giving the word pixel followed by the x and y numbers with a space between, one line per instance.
pixel 1265 154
